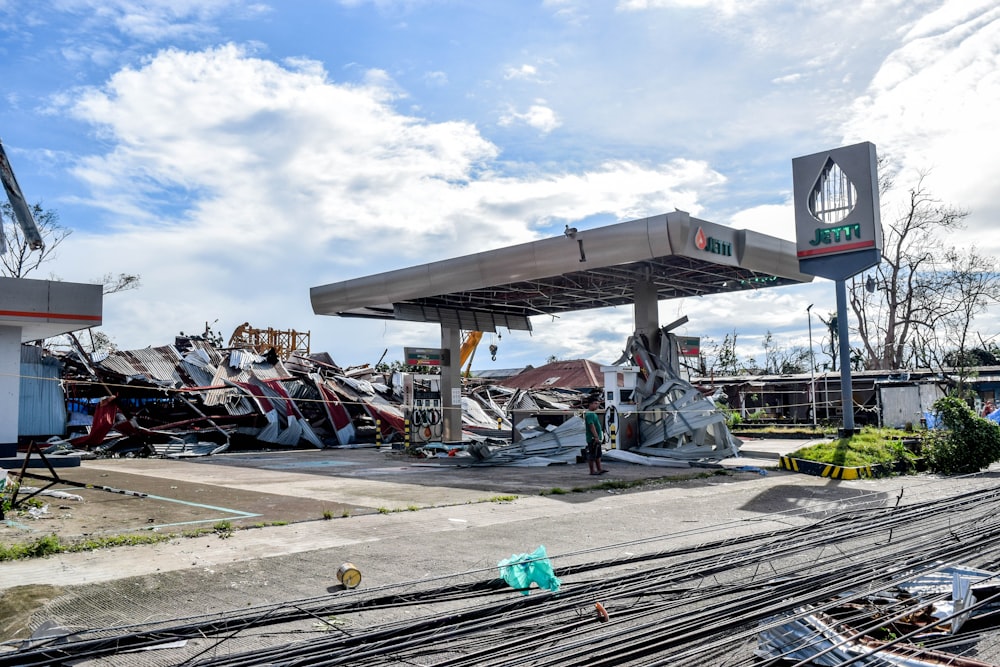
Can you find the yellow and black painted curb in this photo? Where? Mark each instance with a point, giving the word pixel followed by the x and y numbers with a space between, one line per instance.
pixel 833 471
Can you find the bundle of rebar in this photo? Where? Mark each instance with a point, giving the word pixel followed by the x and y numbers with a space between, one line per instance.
pixel 700 604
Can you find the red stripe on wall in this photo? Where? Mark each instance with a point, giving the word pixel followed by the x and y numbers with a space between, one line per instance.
pixel 839 248
pixel 50 316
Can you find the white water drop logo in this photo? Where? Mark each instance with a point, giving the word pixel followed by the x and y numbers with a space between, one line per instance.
pixel 833 197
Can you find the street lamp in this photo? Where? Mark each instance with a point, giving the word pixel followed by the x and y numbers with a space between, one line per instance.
pixel 812 364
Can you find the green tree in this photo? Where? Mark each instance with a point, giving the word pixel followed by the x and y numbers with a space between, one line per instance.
pixel 967 443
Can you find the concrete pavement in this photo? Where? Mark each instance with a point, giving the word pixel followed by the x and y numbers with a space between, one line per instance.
pixel 459 531
pixel 376 495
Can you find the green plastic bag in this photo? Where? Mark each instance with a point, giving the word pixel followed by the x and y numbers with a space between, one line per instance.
pixel 521 570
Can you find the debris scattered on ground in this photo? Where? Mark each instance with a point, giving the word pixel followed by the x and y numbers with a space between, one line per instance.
pixel 914 623
pixel 194 399
pixel 522 570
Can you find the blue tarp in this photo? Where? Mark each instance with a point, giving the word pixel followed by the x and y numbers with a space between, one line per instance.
pixel 933 421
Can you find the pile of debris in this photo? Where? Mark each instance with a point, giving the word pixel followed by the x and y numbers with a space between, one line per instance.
pixel 192 398
pixel 195 398
pixel 916 623
pixel 676 421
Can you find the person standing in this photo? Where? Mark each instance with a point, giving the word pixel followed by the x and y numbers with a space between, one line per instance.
pixel 595 436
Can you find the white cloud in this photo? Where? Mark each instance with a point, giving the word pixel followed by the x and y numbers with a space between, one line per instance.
pixel 771 219
pixel 523 72
pixel 932 107
pixel 788 78
pixel 158 20
pixel 570 11
pixel 538 116
pixel 233 183
pixel 436 78
pixel 726 7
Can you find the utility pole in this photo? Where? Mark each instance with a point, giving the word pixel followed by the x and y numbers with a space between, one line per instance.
pixel 812 365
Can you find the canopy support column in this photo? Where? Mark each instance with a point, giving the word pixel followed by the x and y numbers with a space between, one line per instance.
pixel 647 311
pixel 451 385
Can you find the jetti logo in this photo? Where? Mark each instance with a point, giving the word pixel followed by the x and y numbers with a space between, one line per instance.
pixel 714 246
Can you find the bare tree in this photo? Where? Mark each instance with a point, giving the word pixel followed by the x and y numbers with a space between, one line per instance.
pixel 727 361
pixel 829 345
pixel 20 259
pixel 973 283
pixel 781 360
pixel 123 282
pixel 920 284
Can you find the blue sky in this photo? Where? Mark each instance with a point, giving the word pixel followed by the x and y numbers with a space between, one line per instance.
pixel 236 154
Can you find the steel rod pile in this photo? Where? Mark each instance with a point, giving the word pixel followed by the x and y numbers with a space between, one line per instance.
pixel 701 604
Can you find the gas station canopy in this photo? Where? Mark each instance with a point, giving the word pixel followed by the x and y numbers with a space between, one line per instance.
pixel 675 254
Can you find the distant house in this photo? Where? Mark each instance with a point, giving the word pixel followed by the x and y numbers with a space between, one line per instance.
pixel 576 374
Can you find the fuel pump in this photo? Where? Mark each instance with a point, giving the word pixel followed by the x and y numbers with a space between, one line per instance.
pixel 621 418
pixel 422 401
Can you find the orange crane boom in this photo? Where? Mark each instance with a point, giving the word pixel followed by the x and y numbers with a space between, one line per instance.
pixel 468 351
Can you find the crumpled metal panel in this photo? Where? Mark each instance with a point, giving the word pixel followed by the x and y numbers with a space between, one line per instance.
pixel 156 365
pixel 811 639
pixel 816 639
pixel 675 419
pixel 203 372
pixel 562 444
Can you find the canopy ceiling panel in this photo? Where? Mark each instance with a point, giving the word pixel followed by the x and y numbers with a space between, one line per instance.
pixel 680 255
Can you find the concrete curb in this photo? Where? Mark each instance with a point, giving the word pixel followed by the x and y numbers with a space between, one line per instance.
pixel 834 471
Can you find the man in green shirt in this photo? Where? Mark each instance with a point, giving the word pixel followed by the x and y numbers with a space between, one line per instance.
pixel 595 436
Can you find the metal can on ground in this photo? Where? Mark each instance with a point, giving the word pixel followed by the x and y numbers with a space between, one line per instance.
pixel 348 575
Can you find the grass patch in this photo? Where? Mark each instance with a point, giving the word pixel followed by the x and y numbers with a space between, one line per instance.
pixel 327 515
pixel 784 429
pixel 48 545
pixel 870 447
pixel 619 484
pixel 500 499
pixel 554 491
pixel 224 529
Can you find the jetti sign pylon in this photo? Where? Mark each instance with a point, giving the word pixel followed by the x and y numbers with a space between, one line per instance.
pixel 838 229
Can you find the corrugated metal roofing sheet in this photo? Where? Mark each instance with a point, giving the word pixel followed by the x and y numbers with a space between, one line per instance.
pixel 157 365
pixel 42 406
pixel 579 374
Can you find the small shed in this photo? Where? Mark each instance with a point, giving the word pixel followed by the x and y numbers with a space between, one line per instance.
pixel 904 400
